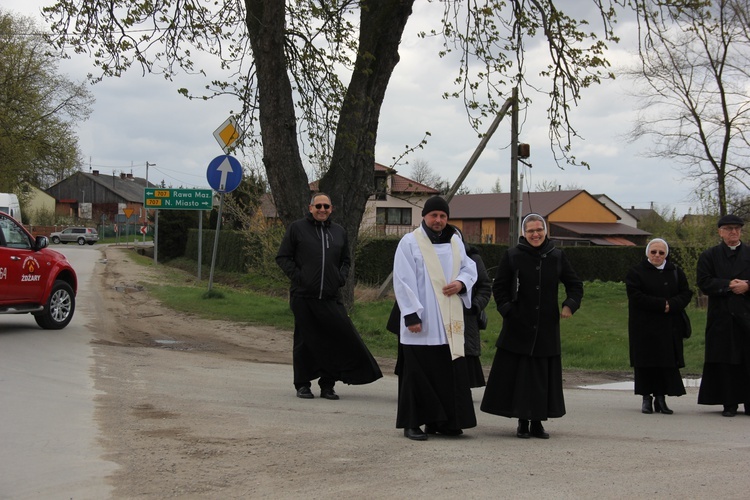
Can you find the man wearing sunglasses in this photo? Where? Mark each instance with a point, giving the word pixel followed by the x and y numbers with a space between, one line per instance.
pixel 314 254
pixel 723 272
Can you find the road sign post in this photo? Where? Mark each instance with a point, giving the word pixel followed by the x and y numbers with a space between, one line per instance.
pixel 224 174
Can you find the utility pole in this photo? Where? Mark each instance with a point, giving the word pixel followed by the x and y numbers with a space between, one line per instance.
pixel 145 212
pixel 514 211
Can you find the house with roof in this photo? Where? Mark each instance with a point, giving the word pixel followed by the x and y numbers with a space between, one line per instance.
pixel 107 195
pixel 36 204
pixel 645 215
pixel 573 217
pixel 394 209
pixel 625 216
pixel 396 206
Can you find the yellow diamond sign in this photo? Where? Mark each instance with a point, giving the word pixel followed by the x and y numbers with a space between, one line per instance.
pixel 228 134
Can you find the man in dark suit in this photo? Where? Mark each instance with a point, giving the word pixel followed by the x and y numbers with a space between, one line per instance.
pixel 723 273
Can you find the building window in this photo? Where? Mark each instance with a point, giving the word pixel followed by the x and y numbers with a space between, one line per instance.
pixel 380 188
pixel 393 216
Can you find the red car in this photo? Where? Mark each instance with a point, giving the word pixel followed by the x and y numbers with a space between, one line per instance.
pixel 33 278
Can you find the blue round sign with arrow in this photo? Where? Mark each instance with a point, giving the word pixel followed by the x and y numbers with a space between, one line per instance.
pixel 224 173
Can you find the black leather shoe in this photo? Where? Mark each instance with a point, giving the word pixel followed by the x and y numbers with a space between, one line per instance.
pixel 537 430
pixel 646 407
pixel 305 393
pixel 440 429
pixel 747 409
pixel 523 429
pixel 415 434
pixel 660 405
pixel 729 411
pixel 328 393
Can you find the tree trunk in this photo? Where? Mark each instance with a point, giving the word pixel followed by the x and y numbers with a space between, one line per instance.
pixel 350 180
pixel 278 124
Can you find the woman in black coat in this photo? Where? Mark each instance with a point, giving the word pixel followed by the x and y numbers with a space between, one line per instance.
pixel 525 380
pixel 658 293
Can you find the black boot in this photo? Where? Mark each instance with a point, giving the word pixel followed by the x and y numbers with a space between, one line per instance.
pixel 523 429
pixel 660 405
pixel 646 407
pixel 730 410
pixel 537 430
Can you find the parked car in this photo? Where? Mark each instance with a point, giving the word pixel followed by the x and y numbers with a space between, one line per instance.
pixel 33 278
pixel 80 235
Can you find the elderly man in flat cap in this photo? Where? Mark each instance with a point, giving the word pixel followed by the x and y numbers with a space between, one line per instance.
pixel 723 274
pixel 432 280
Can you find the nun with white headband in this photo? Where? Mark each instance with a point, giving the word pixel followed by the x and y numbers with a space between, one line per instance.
pixel 658 293
pixel 525 380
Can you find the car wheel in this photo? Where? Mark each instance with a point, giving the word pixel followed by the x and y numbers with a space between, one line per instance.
pixel 56 240
pixel 58 311
pixel 81 241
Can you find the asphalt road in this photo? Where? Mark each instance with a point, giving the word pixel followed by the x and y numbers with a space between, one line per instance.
pixel 49 439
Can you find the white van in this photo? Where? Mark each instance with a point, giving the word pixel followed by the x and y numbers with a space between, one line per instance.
pixel 9 204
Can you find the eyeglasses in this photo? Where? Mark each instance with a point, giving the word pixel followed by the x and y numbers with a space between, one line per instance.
pixel 660 252
pixel 322 205
pixel 731 229
pixel 533 231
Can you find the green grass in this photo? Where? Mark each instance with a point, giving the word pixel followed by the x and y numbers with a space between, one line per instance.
pixel 595 338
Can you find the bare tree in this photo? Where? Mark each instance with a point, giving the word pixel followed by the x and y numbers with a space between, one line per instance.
pixel 423 174
pixel 695 96
pixel 547 186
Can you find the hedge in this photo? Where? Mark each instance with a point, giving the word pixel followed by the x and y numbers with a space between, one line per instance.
pixel 374 259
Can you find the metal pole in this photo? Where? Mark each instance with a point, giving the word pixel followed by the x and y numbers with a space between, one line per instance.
pixel 513 221
pixel 520 202
pixel 200 242
pixel 216 243
pixel 145 218
pixel 156 236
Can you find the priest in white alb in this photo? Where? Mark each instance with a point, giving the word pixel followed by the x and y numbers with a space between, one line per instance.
pixel 432 280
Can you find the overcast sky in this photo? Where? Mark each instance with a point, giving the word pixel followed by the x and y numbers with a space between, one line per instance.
pixel 139 119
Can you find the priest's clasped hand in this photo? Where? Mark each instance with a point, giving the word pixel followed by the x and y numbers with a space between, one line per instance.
pixel 452 288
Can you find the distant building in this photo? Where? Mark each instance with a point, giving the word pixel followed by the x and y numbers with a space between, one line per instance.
pixel 108 195
pixel 396 207
pixel 573 218
pixel 393 210
pixel 645 214
pixel 36 202
pixel 625 217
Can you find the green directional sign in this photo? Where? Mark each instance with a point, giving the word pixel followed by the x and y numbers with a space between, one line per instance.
pixel 178 199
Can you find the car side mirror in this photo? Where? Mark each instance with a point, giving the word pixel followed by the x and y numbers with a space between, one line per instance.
pixel 41 242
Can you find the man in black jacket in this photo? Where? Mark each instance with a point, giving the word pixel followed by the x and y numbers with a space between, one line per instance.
pixel 723 273
pixel 314 254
